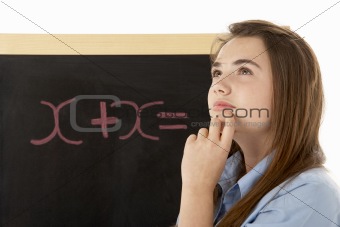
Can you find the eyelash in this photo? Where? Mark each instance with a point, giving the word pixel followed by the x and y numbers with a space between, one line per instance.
pixel 238 72
pixel 214 72
pixel 244 68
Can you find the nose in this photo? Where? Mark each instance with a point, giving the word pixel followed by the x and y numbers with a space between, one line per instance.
pixel 221 87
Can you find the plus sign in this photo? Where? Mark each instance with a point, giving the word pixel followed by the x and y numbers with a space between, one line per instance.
pixel 103 121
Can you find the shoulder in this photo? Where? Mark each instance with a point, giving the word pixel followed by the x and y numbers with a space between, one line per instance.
pixel 314 182
pixel 314 188
pixel 311 198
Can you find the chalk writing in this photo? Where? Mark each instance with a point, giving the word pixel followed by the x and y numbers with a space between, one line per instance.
pixel 138 119
pixel 172 115
pixel 56 129
pixel 104 120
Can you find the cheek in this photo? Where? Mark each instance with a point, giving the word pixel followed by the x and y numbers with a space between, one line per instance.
pixel 210 93
pixel 258 98
pixel 266 102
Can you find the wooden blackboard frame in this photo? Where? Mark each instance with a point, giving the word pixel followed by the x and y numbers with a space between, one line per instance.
pixel 105 44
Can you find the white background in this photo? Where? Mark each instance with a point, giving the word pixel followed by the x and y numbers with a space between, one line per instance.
pixel 312 21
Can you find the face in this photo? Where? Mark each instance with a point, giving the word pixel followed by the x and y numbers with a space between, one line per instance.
pixel 242 82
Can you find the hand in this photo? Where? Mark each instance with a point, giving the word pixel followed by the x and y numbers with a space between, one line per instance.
pixel 205 155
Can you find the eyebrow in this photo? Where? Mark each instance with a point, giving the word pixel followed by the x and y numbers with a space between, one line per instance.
pixel 238 62
pixel 216 64
pixel 246 61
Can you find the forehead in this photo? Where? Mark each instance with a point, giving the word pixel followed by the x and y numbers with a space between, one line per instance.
pixel 251 48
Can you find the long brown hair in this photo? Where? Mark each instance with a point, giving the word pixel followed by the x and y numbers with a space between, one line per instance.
pixel 297 108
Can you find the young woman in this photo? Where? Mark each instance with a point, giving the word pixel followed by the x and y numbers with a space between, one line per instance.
pixel 260 163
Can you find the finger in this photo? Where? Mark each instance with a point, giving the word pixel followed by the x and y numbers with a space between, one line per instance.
pixel 215 129
pixel 228 133
pixel 191 138
pixel 202 133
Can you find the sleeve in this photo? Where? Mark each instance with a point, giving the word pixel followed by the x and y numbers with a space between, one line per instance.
pixel 309 205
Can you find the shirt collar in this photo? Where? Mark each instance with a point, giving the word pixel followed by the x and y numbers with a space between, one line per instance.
pixel 248 180
pixel 232 170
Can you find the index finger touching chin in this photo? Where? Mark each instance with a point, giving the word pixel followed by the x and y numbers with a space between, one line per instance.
pixel 227 133
pixel 215 129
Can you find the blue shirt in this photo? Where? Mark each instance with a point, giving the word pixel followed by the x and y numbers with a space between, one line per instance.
pixel 310 199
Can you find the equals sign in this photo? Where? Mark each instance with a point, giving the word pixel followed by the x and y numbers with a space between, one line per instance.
pixel 172 115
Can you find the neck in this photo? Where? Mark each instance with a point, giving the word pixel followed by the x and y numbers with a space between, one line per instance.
pixel 254 147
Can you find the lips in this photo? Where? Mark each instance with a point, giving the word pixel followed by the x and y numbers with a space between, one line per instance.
pixel 220 105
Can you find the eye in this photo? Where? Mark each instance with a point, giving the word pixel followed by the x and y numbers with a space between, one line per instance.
pixel 244 71
pixel 216 73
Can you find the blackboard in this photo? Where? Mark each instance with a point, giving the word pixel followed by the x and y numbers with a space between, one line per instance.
pixel 53 174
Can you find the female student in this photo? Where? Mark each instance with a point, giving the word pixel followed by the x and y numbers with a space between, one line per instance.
pixel 260 163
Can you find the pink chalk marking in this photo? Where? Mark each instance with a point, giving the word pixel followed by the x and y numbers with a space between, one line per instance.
pixel 172 115
pixel 103 121
pixel 137 124
pixel 56 129
pixel 164 127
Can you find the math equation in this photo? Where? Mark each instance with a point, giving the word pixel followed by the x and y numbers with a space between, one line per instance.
pixel 105 123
